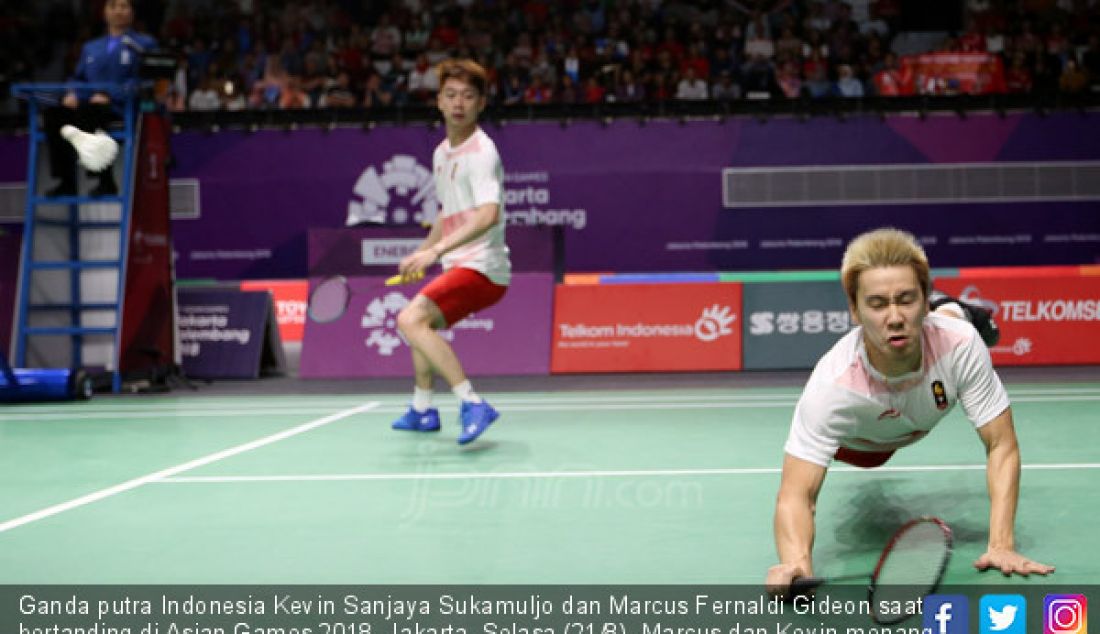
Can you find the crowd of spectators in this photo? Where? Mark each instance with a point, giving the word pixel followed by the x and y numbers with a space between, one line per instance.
pixel 290 54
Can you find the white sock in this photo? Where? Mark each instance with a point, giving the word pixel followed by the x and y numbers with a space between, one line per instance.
pixel 465 392
pixel 422 399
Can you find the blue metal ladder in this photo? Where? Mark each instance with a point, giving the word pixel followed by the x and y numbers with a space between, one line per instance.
pixel 76 330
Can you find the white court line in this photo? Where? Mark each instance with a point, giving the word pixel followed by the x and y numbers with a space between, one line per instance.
pixel 305 405
pixel 180 468
pixel 655 403
pixel 507 475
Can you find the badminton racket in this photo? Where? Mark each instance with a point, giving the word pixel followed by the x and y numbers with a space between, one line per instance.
pixel 329 300
pixel 94 151
pixel 910 567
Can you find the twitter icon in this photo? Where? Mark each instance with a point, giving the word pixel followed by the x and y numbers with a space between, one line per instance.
pixel 1003 614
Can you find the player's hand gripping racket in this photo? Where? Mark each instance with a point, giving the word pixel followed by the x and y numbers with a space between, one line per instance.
pixel 911 567
pixel 404 279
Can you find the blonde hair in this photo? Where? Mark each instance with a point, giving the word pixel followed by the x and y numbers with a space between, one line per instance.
pixel 464 70
pixel 882 248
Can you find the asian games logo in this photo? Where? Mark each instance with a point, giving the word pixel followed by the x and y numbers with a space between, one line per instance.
pixel 403 193
pixel 380 318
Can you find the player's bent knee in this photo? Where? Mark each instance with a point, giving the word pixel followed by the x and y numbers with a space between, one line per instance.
pixel 412 318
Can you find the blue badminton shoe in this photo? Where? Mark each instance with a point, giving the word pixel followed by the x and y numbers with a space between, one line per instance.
pixel 475 418
pixel 418 421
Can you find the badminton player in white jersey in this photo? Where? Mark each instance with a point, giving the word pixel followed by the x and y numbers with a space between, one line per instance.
pixel 468 238
pixel 885 385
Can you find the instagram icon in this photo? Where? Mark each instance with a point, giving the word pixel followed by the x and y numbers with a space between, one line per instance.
pixel 1065 614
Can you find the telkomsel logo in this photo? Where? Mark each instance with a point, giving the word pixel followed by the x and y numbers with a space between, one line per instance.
pixel 1003 614
pixel 404 193
pixel 973 295
pixel 946 614
pixel 1065 614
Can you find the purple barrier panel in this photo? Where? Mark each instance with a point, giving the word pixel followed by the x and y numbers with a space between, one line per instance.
pixel 10 244
pixel 377 250
pixel 630 197
pixel 222 331
pixel 13 158
pixel 512 337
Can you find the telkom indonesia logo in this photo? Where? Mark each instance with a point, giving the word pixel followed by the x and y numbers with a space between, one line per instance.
pixel 714 323
pixel 403 193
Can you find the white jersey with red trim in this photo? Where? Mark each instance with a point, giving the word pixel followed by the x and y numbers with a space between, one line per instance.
pixel 849 403
pixel 467 177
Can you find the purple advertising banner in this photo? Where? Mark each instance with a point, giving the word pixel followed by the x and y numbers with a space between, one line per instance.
pixel 222 331
pixel 377 250
pixel 635 197
pixel 10 244
pixel 510 338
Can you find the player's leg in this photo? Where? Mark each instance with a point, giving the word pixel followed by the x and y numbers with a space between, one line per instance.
pixel 420 416
pixel 419 322
pixel 445 301
pixel 980 316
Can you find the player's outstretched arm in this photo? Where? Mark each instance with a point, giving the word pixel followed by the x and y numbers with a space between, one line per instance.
pixel 794 523
pixel 1003 480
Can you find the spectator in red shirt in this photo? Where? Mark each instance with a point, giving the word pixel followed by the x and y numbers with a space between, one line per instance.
pixel 538 92
pixel 593 91
pixel 891 80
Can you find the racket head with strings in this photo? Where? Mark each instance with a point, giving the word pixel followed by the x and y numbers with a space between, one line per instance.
pixel 911 566
pixel 329 299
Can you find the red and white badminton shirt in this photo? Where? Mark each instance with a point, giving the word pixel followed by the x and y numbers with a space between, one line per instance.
pixel 849 403
pixel 467 177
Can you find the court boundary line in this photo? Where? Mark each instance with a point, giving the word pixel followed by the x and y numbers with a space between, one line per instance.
pixel 515 406
pixel 156 476
pixel 609 473
pixel 236 403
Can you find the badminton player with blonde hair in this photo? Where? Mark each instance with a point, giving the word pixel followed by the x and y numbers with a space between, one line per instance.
pixel 468 239
pixel 885 385
pixel 112 59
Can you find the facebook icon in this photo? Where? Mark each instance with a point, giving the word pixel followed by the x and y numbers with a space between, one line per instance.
pixel 946 614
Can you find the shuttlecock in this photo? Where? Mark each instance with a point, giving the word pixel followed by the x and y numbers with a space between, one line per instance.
pixel 95 151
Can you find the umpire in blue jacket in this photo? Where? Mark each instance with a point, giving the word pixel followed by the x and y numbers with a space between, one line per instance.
pixel 113 58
